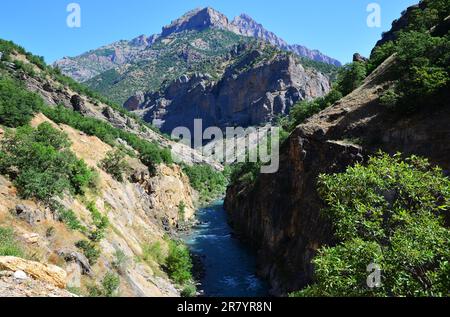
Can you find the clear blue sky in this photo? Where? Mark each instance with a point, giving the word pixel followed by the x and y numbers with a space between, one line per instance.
pixel 336 27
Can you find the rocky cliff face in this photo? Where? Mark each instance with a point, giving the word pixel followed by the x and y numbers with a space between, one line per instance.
pixel 141 211
pixel 280 214
pixel 254 89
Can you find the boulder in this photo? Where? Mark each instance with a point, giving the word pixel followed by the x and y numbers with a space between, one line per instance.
pixel 31 215
pixel 359 58
pixel 78 104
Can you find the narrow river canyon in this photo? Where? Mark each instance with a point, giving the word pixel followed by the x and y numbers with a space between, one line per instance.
pixel 228 266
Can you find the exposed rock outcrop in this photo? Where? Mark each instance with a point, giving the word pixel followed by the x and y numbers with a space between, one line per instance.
pixel 38 271
pixel 13 287
pixel 280 215
pixel 243 97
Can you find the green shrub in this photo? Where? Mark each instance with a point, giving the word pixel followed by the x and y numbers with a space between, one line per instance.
pixel 101 222
pixel 303 110
pixel 350 77
pixel 179 263
pixel 9 246
pixel 150 153
pixel 120 261
pixel 110 284
pixel 48 135
pixel 390 98
pixel 25 67
pixel 17 106
pixel 115 164
pixel 69 218
pixel 189 290
pixel 39 165
pixel 391 213
pixel 380 54
pixel 90 250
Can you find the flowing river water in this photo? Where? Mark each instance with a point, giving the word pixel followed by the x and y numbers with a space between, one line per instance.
pixel 228 266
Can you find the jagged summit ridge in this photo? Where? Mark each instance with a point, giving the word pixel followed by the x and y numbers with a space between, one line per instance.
pixel 203 18
pixel 197 20
pixel 121 53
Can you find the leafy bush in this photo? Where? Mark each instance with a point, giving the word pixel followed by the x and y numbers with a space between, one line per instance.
pixel 90 250
pixel 179 263
pixel 101 222
pixel 423 59
pixel 351 76
pixel 182 211
pixel 380 54
pixel 109 286
pixel 115 164
pixel 9 246
pixel 69 218
pixel 423 62
pixel 391 213
pixel 189 290
pixel 17 105
pixel 110 283
pixel 40 164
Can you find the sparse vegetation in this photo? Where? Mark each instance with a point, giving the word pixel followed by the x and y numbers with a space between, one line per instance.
pixel 154 252
pixel 110 283
pixel 101 223
pixel 69 218
pixel 120 261
pixel 115 164
pixel 90 250
pixel 9 246
pixel 182 211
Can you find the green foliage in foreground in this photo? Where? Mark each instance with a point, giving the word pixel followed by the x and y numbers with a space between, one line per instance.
pixel 9 246
pixel 41 164
pixel 179 263
pixel 391 213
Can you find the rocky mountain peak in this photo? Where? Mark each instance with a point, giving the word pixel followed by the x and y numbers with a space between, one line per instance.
pixel 247 26
pixel 197 20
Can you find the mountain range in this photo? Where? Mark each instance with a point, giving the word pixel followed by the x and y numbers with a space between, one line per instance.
pixel 193 68
pixel 92 63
